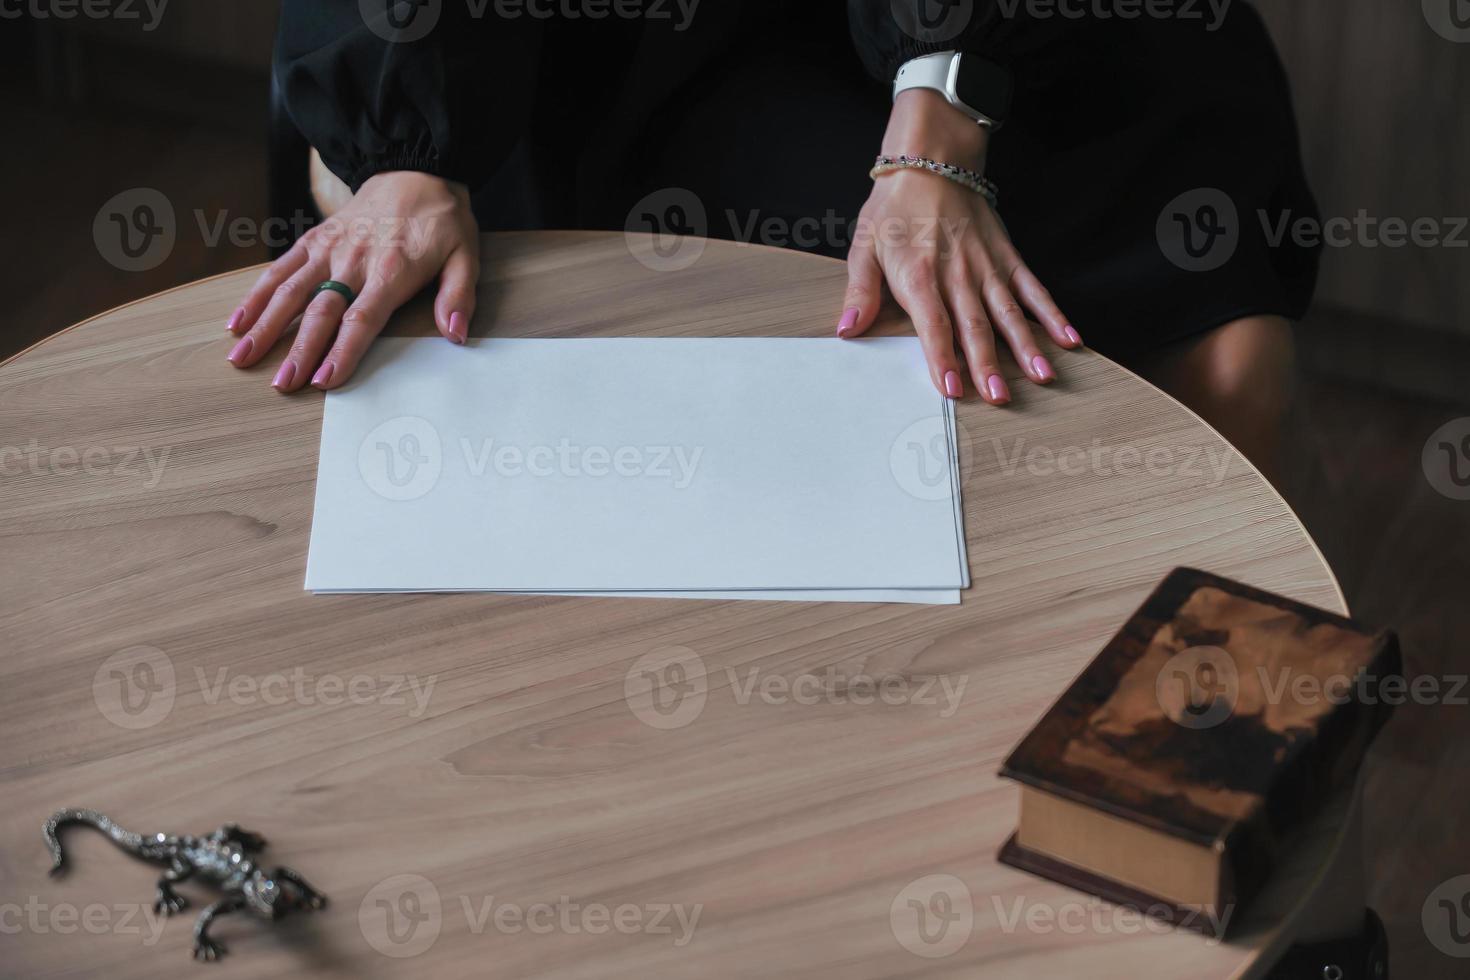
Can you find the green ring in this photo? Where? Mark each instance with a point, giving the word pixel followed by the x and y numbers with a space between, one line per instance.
pixel 340 288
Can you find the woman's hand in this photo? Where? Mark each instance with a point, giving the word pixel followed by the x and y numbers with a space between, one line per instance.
pixel 399 232
pixel 947 259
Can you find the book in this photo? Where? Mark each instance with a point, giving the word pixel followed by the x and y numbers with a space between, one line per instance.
pixel 1176 767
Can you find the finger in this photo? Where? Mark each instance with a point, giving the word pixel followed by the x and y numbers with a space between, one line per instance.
pixel 286 304
pixel 1009 319
pixel 361 324
pixel 977 340
pixel 917 292
pixel 454 307
pixel 318 325
pixel 1029 289
pixel 265 287
pixel 864 291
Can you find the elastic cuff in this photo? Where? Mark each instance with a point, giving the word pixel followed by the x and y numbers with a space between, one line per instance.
pixel 422 162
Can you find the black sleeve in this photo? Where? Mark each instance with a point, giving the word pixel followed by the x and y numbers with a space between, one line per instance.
pixel 889 32
pixel 425 87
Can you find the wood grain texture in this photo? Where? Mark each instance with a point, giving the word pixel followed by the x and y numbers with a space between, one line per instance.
pixel 528 775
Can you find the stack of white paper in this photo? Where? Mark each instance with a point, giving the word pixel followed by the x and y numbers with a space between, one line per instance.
pixel 763 468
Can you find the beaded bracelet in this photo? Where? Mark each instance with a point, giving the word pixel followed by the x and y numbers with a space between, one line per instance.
pixel 971 179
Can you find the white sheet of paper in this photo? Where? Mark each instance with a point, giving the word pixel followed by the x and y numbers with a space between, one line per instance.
pixel 920 597
pixel 638 465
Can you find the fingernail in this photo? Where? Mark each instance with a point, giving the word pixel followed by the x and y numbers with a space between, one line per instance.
pixel 284 376
pixel 323 375
pixel 953 387
pixel 848 321
pixel 1072 335
pixel 235 319
pixel 996 385
pixel 242 350
pixel 1042 368
pixel 456 327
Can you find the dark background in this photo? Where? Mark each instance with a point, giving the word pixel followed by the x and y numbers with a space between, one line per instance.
pixel 93 108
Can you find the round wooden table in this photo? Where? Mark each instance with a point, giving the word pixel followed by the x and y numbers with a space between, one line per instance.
pixel 486 785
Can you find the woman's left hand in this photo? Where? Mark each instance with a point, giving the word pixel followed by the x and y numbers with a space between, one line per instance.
pixel 947 259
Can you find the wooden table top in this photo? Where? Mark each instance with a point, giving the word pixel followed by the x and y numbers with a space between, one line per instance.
pixel 526 786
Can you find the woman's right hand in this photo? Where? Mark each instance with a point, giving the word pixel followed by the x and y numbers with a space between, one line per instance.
pixel 400 231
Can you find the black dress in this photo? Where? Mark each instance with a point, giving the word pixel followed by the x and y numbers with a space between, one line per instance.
pixel 1145 171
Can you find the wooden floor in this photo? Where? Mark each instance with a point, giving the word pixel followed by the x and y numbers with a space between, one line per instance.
pixel 1401 550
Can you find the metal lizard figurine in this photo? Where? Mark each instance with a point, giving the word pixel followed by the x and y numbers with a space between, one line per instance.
pixel 222 859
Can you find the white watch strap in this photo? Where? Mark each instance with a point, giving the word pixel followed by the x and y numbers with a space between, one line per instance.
pixel 937 71
pixel 929 71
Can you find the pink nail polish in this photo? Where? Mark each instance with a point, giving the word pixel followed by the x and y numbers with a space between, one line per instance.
pixel 284 376
pixel 953 387
pixel 241 351
pixel 848 321
pixel 1042 368
pixel 323 375
pixel 457 327
pixel 235 319
pixel 996 385
pixel 1072 335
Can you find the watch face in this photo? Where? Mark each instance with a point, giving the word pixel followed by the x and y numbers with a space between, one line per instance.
pixel 983 86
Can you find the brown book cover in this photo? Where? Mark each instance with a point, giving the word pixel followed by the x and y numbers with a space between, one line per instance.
pixel 1221 716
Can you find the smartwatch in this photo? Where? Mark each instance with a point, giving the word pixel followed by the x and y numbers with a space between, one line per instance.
pixel 979 88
